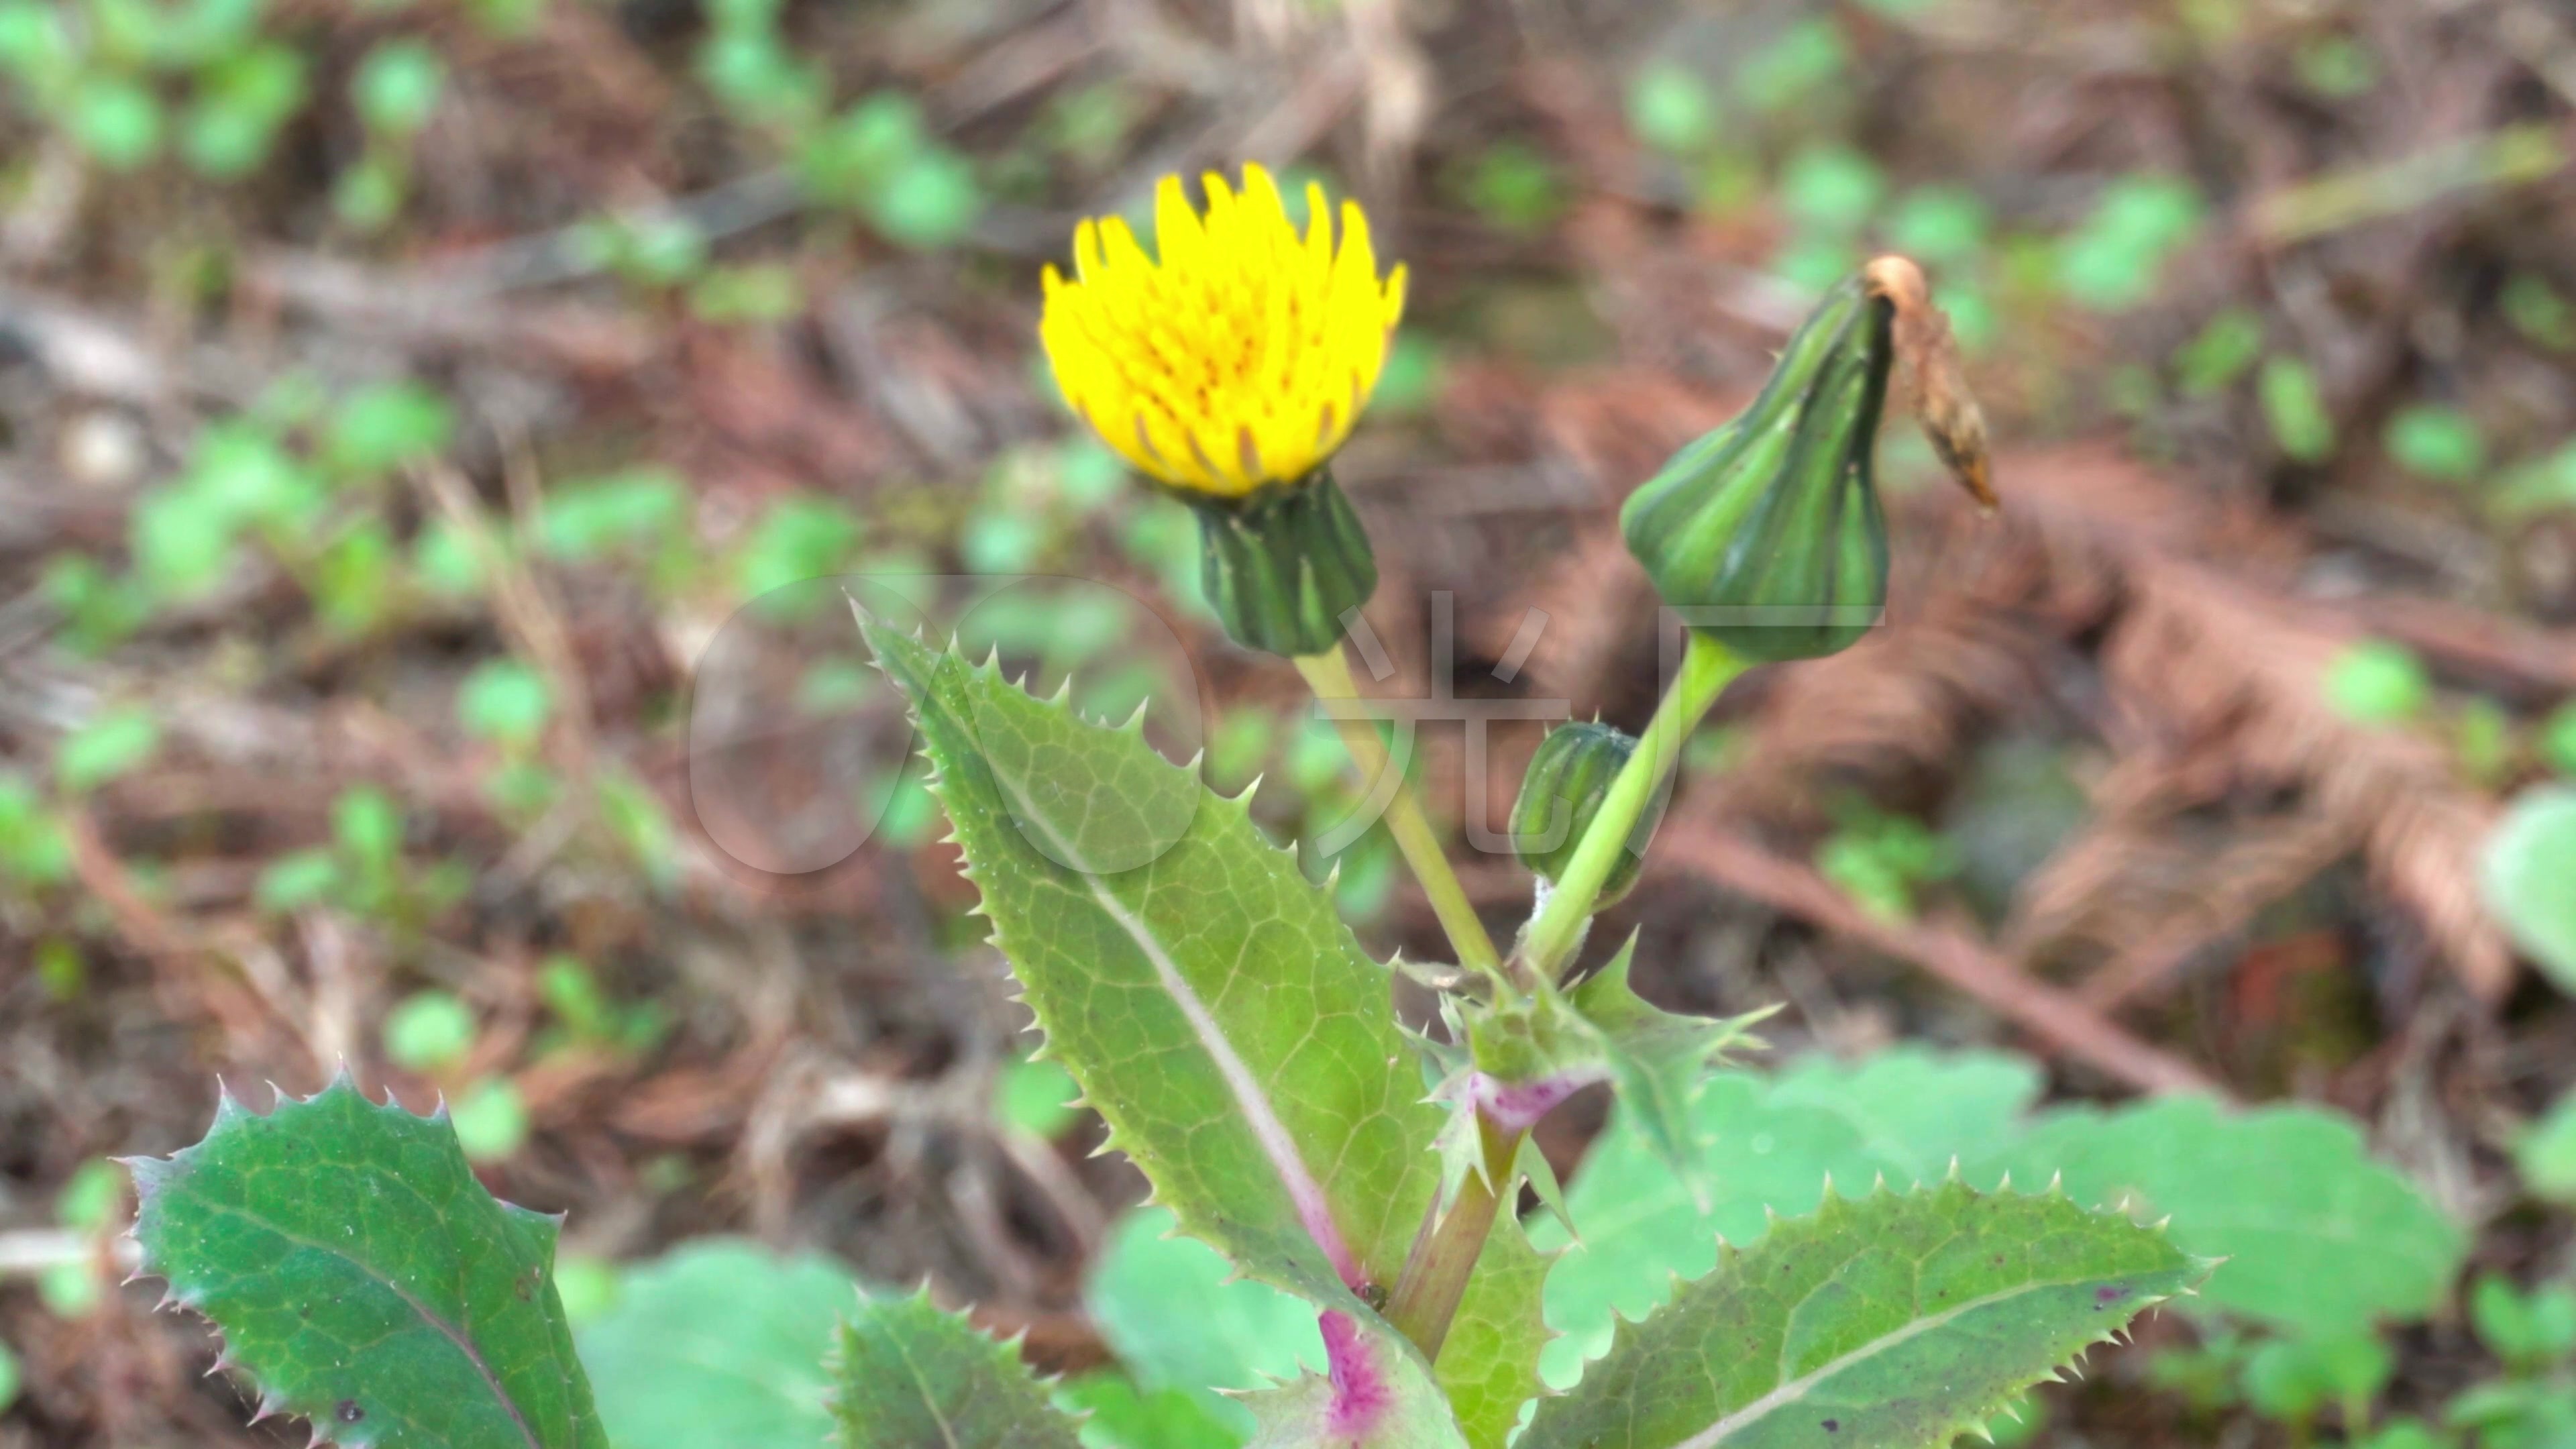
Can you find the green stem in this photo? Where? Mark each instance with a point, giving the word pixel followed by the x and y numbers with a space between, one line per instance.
pixel 1707 668
pixel 1435 1274
pixel 1329 675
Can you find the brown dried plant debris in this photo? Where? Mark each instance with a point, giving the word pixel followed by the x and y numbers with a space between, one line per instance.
pixel 2142 892
pixel 1936 379
pixel 2210 676
pixel 1983 612
pixel 2057 1022
pixel 2225 669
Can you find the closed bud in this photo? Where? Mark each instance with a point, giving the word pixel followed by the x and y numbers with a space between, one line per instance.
pixel 1282 566
pixel 1768 531
pixel 1562 793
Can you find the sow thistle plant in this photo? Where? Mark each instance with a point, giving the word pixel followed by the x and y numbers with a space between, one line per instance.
pixel 1241 1046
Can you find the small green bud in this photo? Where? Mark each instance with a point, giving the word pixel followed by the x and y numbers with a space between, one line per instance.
pixel 1773 520
pixel 1282 565
pixel 1561 795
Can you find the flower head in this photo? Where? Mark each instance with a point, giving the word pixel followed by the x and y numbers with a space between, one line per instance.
pixel 1239 357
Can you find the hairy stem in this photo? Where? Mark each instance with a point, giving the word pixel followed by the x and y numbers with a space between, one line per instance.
pixel 1707 668
pixel 1329 675
pixel 1435 1273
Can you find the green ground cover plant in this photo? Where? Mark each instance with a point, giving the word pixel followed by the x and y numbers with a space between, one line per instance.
pixel 1208 1001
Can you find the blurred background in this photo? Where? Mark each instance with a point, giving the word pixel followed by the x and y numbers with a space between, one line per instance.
pixel 401 400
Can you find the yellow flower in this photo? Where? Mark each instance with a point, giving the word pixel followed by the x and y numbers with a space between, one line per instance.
pixel 1242 356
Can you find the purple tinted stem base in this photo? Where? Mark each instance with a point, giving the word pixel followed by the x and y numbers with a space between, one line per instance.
pixel 1435 1274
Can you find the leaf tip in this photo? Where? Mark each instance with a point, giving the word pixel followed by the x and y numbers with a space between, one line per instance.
pixel 150 1174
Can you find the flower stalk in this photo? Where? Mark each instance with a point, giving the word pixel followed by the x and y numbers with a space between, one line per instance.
pixel 1328 673
pixel 1548 944
pixel 1444 1255
pixel 1434 1280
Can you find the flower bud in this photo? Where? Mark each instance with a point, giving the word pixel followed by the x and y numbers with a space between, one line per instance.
pixel 1562 793
pixel 1772 522
pixel 1281 566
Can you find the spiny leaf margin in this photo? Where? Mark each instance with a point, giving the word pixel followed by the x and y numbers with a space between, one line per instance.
pixel 911 1374
pixel 1356 1112
pixel 1802 1341
pixel 364 1280
pixel 1317 1190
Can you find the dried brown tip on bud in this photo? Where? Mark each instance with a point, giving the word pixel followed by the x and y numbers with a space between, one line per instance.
pixel 1900 281
pixel 1936 381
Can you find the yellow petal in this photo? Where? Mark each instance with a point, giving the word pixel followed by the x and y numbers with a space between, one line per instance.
pixel 1240 352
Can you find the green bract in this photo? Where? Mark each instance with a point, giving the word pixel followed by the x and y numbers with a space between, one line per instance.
pixel 1561 795
pixel 1282 566
pixel 1767 533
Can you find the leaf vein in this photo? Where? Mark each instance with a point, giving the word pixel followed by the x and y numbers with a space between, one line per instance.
pixel 452 1332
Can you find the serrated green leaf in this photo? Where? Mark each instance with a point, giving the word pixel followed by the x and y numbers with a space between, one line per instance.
pixel 719 1344
pixel 1767 1145
pixel 1241 1047
pixel 1893 1322
pixel 1655 1059
pixel 364 1280
pixel 911 1375
pixel 1208 999
pixel 2318 1236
